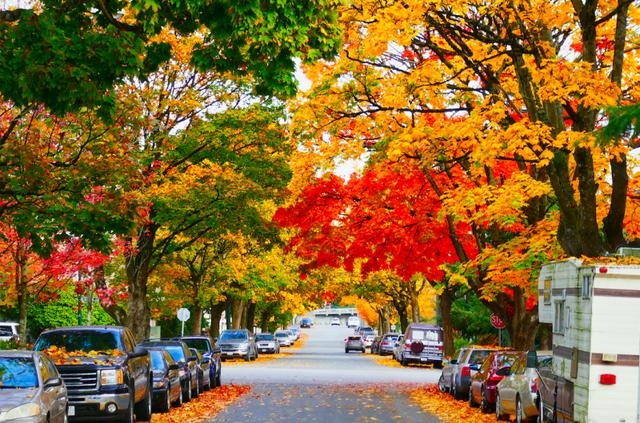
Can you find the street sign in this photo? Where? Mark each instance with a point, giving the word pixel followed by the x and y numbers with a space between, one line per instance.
pixel 183 316
pixel 497 322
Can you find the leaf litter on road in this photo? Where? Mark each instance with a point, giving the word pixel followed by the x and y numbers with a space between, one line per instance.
pixel 448 409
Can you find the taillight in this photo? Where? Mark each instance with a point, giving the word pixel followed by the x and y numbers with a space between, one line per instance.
pixel 534 385
pixel 494 378
pixel 385 343
pixel 465 372
pixel 440 347
pixel 407 344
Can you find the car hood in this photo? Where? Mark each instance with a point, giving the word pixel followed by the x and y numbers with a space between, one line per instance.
pixel 96 360
pixel 12 398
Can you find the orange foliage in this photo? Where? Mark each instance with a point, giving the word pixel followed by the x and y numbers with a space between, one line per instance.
pixel 204 407
pixel 448 409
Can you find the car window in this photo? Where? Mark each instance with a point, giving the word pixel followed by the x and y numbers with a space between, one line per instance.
pixel 168 358
pixel 518 366
pixel 198 344
pixel 44 371
pixel 464 354
pixel 96 340
pixel 156 359
pixel 18 372
pixel 486 364
pixel 545 362
pixel 233 335
pixel 51 368
pixel 478 356
pixel 264 337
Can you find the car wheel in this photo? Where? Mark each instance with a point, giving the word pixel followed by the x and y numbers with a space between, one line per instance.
pixel 195 393
pixel 219 379
pixel 485 407
pixel 499 414
pixel 363 350
pixel 186 394
pixel 166 405
pixel 441 385
pixel 143 408
pixel 346 351
pixel 128 416
pixel 454 391
pixel 178 401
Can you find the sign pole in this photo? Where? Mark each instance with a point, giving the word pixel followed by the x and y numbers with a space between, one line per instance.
pixel 182 334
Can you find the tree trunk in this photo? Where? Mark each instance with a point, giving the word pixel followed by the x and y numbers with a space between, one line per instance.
pixel 251 316
pixel 216 311
pixel 524 324
pixel 546 336
pixel 401 308
pixel 446 300
pixel 21 289
pixel 415 306
pixel 196 315
pixel 138 269
pixel 236 313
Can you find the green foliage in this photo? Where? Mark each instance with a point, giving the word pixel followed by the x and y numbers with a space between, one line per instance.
pixel 623 120
pixel 470 319
pixel 63 312
pixel 71 53
pixel 9 345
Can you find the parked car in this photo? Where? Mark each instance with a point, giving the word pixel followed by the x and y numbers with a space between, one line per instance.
pixel 166 380
pixel 267 343
pixel 295 331
pixel 398 347
pixel 8 331
pixel 237 343
pixel 423 344
pixel 335 321
pixel 387 343
pixel 354 343
pixel 284 338
pixel 364 331
pixel 375 345
pixel 188 364
pixel 353 322
pixel 517 393
pixel 110 378
pixel 32 389
pixel 456 376
pixel 204 370
pixel 208 348
pixel 306 322
pixel 368 340
pixel 482 391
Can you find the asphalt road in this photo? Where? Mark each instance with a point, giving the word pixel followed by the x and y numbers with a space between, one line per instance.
pixel 320 383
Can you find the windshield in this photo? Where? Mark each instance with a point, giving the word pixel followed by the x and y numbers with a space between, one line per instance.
pixel 17 372
pixel 264 337
pixel 282 334
pixel 391 338
pixel 354 338
pixel 236 335
pixel 80 340
pixel 199 344
pixel 478 356
pixel 157 361
pixel 177 353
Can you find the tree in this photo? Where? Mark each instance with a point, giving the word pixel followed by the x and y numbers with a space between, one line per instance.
pixel 70 54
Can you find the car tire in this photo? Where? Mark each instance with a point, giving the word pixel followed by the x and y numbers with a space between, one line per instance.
pixel 485 407
pixel 472 402
pixel 186 393
pixel 195 392
pixel 363 351
pixel 219 379
pixel 143 409
pixel 166 404
pixel 178 401
pixel 500 416
pixel 403 360
pixel 454 391
pixel 247 357
pixel 437 364
pixel 441 386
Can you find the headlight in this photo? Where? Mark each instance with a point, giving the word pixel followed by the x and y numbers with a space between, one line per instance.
pixel 25 410
pixel 111 377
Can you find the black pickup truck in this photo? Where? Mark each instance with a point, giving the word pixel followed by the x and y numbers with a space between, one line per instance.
pixel 107 377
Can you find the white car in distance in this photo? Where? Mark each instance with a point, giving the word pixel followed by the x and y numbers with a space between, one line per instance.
pixel 335 321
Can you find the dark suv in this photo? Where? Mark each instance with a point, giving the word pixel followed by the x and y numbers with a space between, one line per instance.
pixel 456 377
pixel 210 352
pixel 422 344
pixel 107 377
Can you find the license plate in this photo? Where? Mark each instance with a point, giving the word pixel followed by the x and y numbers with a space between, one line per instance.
pixel 423 359
pixel 71 411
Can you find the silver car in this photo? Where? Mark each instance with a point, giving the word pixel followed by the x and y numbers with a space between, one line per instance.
pixel 31 389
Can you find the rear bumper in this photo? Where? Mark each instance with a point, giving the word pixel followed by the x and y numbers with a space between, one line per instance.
pixel 422 358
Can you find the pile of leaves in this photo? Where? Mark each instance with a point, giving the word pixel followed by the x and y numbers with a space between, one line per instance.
pixel 447 409
pixel 389 361
pixel 204 407
pixel 61 356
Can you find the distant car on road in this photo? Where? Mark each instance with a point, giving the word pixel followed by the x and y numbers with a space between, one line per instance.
pixel 284 338
pixel 8 331
pixel 32 389
pixel 353 322
pixel 398 347
pixel 387 343
pixel 237 343
pixel 295 331
pixel 306 322
pixel 354 343
pixel 368 340
pixel 267 343
pixel 335 321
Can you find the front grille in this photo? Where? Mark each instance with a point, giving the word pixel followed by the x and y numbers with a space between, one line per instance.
pixel 80 379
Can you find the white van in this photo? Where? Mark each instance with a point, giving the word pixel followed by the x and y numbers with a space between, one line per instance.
pixel 8 330
pixel 353 322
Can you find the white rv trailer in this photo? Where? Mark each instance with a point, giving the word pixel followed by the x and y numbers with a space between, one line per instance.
pixel 594 309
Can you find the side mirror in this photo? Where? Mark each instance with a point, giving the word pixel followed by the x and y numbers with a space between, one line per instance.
pixel 474 366
pixel 137 352
pixel 53 382
pixel 505 371
pixel 532 359
pixel 192 358
pixel 174 366
pixel 454 361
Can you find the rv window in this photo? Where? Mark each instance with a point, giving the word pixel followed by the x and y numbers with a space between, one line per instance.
pixel 586 286
pixel 559 319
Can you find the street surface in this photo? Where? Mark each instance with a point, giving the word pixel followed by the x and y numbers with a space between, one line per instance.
pixel 320 383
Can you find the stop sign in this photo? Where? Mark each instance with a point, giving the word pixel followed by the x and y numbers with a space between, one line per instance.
pixel 497 322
